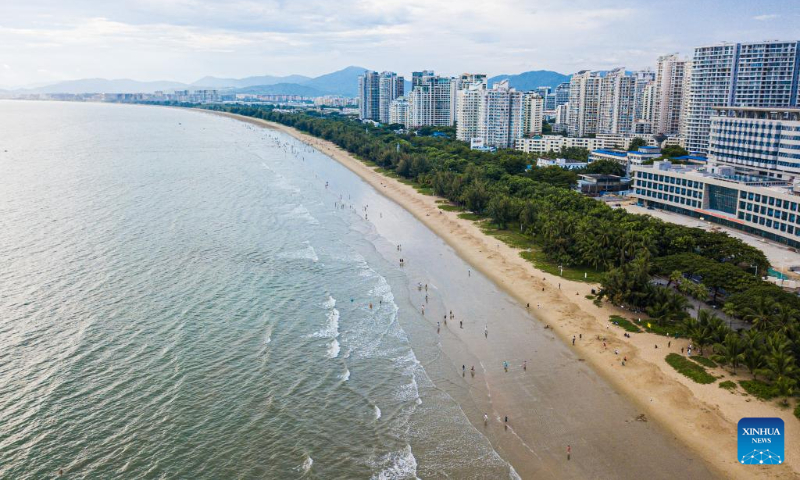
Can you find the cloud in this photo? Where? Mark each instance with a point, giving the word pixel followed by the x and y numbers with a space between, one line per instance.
pixel 765 17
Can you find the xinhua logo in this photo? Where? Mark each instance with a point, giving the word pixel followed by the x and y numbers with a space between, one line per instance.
pixel 761 441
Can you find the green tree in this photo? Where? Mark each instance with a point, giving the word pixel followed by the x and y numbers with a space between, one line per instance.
pixel 731 351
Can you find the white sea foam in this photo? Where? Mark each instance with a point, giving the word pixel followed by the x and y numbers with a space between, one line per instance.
pixel 345 376
pixel 268 337
pixel 333 349
pixel 397 465
pixel 301 211
pixel 307 463
pixel 512 474
pixel 377 412
pixel 307 253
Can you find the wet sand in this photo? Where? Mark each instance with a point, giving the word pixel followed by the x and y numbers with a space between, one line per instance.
pixel 561 399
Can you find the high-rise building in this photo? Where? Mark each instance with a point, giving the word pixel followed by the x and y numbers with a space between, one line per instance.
pixel 467 79
pixel 504 116
pixel 470 111
pixel 584 103
pixel 368 96
pixel 562 94
pixel 761 74
pixel 398 111
pixel 533 113
pixel 375 94
pixel 548 96
pixel 643 101
pixel 432 100
pixel 494 115
pixel 616 105
pixel 390 87
pixel 669 93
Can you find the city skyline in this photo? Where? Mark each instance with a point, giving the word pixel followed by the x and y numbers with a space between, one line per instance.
pixel 42 42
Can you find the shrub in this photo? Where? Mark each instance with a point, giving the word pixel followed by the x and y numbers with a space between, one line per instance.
pixel 759 389
pixel 727 385
pixel 690 369
pixel 706 362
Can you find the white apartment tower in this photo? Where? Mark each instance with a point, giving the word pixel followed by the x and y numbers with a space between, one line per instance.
pixel 470 113
pixel 432 100
pixel 584 103
pixel 669 93
pixel 504 116
pixel 533 113
pixel 496 115
pixel 398 111
pixel 617 102
pixel 761 74
pixel 643 101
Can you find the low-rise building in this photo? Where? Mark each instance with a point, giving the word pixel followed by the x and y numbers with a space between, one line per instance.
pixel 565 163
pixel 598 184
pixel 758 204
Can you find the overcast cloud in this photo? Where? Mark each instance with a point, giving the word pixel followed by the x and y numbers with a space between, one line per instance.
pixel 43 41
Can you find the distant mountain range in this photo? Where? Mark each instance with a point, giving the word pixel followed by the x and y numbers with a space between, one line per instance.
pixel 531 80
pixel 342 82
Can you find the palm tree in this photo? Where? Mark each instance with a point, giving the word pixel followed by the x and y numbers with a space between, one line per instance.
pixel 760 314
pixel 785 387
pixel 731 351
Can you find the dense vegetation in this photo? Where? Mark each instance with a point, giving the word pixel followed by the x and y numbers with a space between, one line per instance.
pixel 573 230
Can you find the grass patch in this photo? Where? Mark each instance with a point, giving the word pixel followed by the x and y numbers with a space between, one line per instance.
pixel 728 385
pixel 665 330
pixel 450 208
pixel 541 262
pixel 590 297
pixel 470 216
pixel 706 362
pixel 509 236
pixel 759 389
pixel 423 190
pixel 797 411
pixel 690 369
pixel 626 324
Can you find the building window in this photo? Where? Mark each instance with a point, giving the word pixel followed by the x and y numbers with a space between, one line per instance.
pixel 722 199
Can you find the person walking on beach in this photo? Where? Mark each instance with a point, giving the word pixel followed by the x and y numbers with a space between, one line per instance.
pixel 505 366
pixel 525 365
pixel 485 419
pixel 438 327
pixel 486 331
pixel 472 371
pixel 573 340
pixel 463 370
pixel 461 324
pixel 423 309
pixel 569 451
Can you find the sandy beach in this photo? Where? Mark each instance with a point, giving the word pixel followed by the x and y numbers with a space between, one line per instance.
pixel 701 417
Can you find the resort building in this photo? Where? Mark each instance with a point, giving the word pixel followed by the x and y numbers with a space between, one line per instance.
pixel 765 140
pixel 759 205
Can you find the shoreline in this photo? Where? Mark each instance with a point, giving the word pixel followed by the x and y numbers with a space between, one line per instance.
pixel 701 417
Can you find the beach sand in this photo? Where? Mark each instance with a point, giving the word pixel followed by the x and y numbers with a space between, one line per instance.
pixel 701 417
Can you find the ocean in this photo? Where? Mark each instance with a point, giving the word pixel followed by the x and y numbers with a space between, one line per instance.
pixel 183 297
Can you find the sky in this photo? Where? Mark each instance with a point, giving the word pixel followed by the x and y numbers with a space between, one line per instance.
pixel 46 41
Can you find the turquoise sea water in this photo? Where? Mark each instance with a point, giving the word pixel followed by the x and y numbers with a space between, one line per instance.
pixel 182 299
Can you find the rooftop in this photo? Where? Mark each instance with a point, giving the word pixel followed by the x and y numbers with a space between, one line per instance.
pixel 615 153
